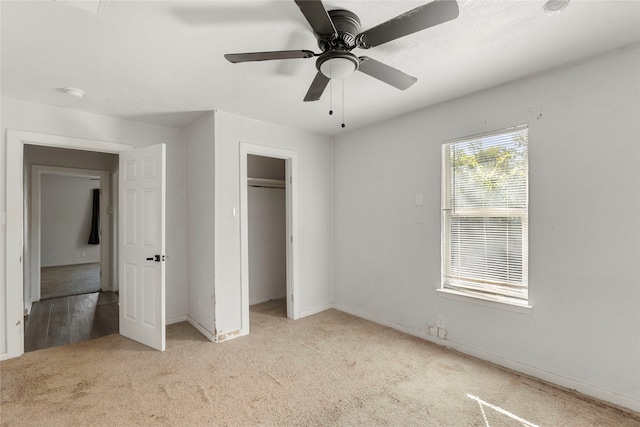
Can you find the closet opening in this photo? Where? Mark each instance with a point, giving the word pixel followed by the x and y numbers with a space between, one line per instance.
pixel 267 235
pixel 270 174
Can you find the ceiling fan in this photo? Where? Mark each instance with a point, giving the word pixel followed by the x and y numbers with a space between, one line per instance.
pixel 338 33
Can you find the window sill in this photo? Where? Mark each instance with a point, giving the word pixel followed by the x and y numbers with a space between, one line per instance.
pixel 488 302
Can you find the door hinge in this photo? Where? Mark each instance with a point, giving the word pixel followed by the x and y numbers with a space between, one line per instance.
pixel 291 297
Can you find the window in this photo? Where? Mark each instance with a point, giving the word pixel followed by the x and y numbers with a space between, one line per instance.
pixel 485 216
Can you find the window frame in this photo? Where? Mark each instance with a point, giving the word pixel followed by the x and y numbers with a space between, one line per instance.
pixel 521 301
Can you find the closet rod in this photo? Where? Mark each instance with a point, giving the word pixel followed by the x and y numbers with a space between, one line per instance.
pixel 268 183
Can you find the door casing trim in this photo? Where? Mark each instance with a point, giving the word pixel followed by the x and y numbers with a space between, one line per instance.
pixel 12 322
pixel 291 175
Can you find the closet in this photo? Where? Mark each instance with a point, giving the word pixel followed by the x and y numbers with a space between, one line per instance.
pixel 267 228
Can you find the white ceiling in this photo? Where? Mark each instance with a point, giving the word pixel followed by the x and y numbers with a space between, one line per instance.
pixel 162 61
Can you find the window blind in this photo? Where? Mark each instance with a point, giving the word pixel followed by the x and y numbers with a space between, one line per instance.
pixel 485 215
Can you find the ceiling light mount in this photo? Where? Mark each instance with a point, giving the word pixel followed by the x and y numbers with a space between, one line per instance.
pixel 74 91
pixel 554 7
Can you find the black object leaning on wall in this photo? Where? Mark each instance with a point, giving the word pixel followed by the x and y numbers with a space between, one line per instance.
pixel 94 237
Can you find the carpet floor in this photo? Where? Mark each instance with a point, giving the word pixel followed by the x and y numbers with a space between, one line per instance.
pixel 330 369
pixel 65 280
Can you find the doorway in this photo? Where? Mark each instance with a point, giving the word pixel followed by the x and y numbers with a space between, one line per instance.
pixel 288 159
pixel 69 216
pixel 17 218
pixel 68 288
pixel 267 232
pixel 69 293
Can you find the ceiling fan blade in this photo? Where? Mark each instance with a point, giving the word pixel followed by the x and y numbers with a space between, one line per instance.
pixel 418 19
pixel 385 73
pixel 318 86
pixel 268 56
pixel 317 16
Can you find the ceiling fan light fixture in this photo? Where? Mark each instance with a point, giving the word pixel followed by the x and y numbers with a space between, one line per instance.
pixel 338 65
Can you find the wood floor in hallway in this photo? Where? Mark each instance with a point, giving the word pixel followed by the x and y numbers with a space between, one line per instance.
pixel 66 280
pixel 72 319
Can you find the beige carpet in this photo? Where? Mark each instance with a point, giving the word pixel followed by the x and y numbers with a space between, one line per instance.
pixel 66 280
pixel 325 370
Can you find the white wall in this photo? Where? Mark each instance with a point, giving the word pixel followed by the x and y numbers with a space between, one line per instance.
pixel 33 117
pixel 200 223
pixel 66 212
pixel 315 225
pixel 584 226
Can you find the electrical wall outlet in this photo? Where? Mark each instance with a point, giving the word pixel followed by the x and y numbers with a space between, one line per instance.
pixel 432 330
pixel 440 321
pixel 442 333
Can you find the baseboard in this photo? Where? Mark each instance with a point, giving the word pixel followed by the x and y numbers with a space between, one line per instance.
pixel 200 328
pixel 177 319
pixel 12 354
pixel 266 299
pixel 231 335
pixel 614 398
pixel 6 356
pixel 27 308
pixel 316 310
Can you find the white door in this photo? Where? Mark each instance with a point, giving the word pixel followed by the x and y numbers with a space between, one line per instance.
pixel 141 244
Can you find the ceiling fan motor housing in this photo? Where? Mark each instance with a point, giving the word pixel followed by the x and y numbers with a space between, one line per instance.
pixel 347 25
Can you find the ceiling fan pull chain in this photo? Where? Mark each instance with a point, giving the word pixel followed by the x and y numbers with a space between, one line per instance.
pixel 330 95
pixel 343 125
